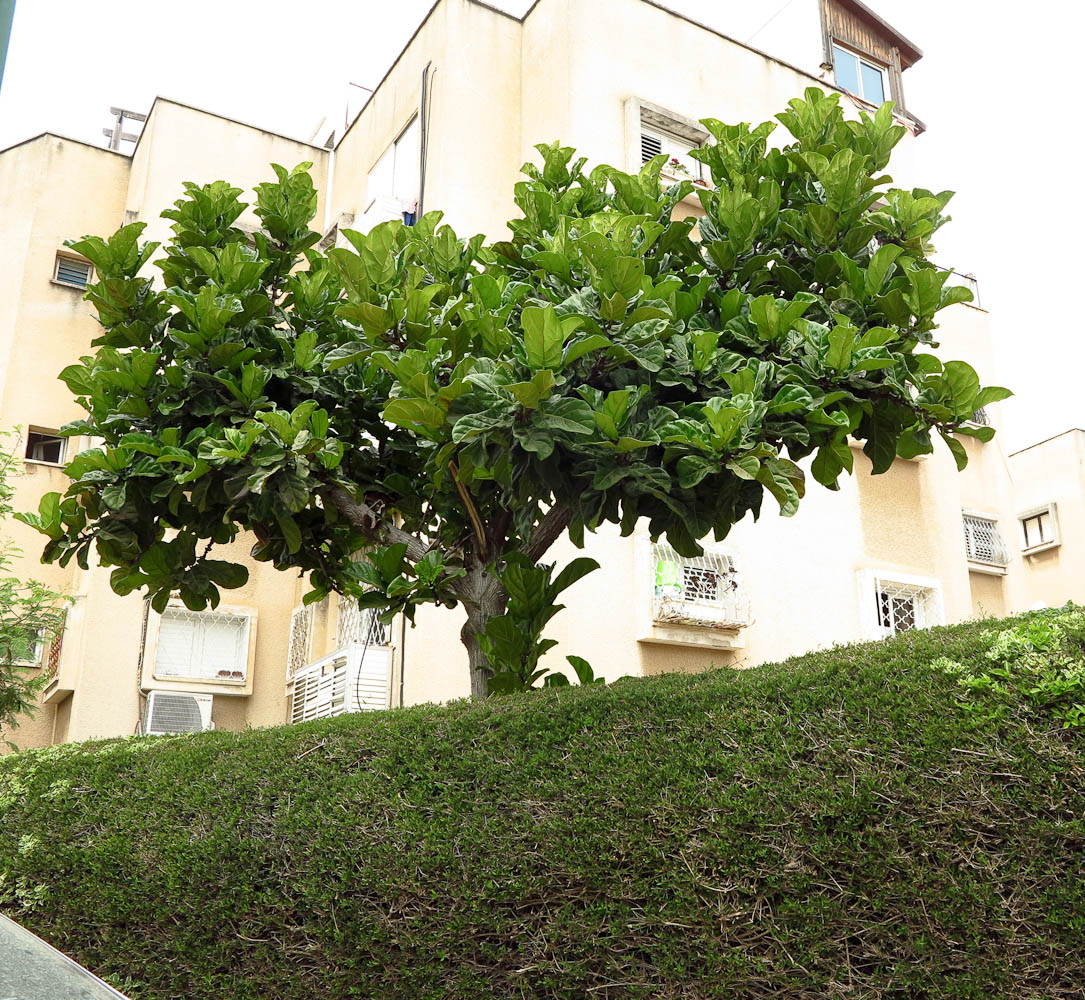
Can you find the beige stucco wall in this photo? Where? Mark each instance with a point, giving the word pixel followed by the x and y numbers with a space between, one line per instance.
pixel 182 144
pixel 43 325
pixel 1053 471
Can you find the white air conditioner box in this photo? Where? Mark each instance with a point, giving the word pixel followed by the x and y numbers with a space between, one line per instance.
pixel 177 712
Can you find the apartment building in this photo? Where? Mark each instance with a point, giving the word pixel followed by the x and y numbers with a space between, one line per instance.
pixel 448 127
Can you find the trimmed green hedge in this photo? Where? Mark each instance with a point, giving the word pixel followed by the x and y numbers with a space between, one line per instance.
pixel 833 826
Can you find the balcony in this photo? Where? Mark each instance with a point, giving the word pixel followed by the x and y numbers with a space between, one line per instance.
pixel 356 676
pixel 696 601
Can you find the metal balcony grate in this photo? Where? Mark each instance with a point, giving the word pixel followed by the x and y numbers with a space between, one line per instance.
pixel 702 590
pixel 982 541
pixel 301 639
pixel 360 625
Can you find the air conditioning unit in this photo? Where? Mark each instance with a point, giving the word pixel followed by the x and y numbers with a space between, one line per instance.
pixel 177 712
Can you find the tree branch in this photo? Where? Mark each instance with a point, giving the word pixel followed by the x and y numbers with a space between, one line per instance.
pixel 476 522
pixel 547 531
pixel 361 515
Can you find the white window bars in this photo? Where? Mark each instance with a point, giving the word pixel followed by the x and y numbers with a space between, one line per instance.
pixel 207 645
pixel 983 543
pixel 702 590
pixel 301 639
pixel 360 625
pixel 902 607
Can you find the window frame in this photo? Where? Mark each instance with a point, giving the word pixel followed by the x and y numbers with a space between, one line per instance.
pixel 75 259
pixel 152 679
pixel 862 58
pixel 392 149
pixel 870 588
pixel 46 432
pixel 980 565
pixel 1051 510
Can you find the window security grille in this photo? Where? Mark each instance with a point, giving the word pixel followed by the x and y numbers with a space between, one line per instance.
pixel 903 607
pixel 208 645
pixel 56 646
pixel 360 625
pixel 70 271
pixel 703 590
pixel 982 541
pixel 980 417
pixel 301 639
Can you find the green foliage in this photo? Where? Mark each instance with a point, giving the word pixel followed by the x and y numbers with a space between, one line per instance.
pixel 606 364
pixel 775 832
pixel 1039 663
pixel 513 641
pixel 30 614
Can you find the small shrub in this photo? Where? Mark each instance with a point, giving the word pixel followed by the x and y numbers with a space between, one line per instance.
pixel 1039 662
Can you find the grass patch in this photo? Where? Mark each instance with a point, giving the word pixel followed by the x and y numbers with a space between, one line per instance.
pixel 833 826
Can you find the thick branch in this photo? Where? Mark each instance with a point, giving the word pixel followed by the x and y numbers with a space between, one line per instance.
pixel 361 515
pixel 548 531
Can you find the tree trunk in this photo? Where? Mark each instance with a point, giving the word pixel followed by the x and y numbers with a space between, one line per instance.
pixel 483 597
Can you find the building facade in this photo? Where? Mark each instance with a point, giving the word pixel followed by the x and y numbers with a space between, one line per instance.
pixel 621 80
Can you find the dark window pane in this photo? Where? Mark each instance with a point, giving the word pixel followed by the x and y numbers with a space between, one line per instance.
pixel 846 68
pixel 873 84
pixel 44 447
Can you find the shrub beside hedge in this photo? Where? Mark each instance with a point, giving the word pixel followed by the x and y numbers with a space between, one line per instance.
pixel 833 826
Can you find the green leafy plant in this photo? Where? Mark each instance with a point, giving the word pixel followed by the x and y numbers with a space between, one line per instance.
pixel 1039 663
pixel 513 642
pixel 469 403
pixel 30 616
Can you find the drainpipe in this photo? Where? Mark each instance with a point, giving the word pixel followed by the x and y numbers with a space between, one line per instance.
pixel 423 133
pixel 402 655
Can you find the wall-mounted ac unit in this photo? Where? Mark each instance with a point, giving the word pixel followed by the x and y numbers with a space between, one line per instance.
pixel 177 712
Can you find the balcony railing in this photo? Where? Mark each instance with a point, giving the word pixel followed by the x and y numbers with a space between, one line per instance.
pixel 702 591
pixel 355 678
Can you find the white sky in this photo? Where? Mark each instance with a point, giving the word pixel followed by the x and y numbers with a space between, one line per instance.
pixel 995 96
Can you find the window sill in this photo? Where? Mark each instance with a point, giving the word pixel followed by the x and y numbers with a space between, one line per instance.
pixel 48 465
pixel 696 636
pixel 989 569
pixel 1037 549
pixel 196 685
pixel 68 284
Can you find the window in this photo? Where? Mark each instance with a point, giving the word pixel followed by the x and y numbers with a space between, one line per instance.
pixel 858 75
pixel 45 446
pixel 360 625
pixel 1039 529
pixel 204 645
pixel 395 177
pixel 894 604
pixel 72 271
pixel 979 418
pixel 700 590
pixel 24 651
pixel 653 142
pixel 983 543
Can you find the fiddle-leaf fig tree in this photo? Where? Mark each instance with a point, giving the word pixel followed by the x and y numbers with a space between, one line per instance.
pixel 451 407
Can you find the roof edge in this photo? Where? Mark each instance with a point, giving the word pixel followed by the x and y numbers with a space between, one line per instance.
pixel 65 138
pixel 1036 444
pixel 225 118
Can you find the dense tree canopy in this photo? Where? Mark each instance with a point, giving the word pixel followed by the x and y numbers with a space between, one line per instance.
pixel 453 406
